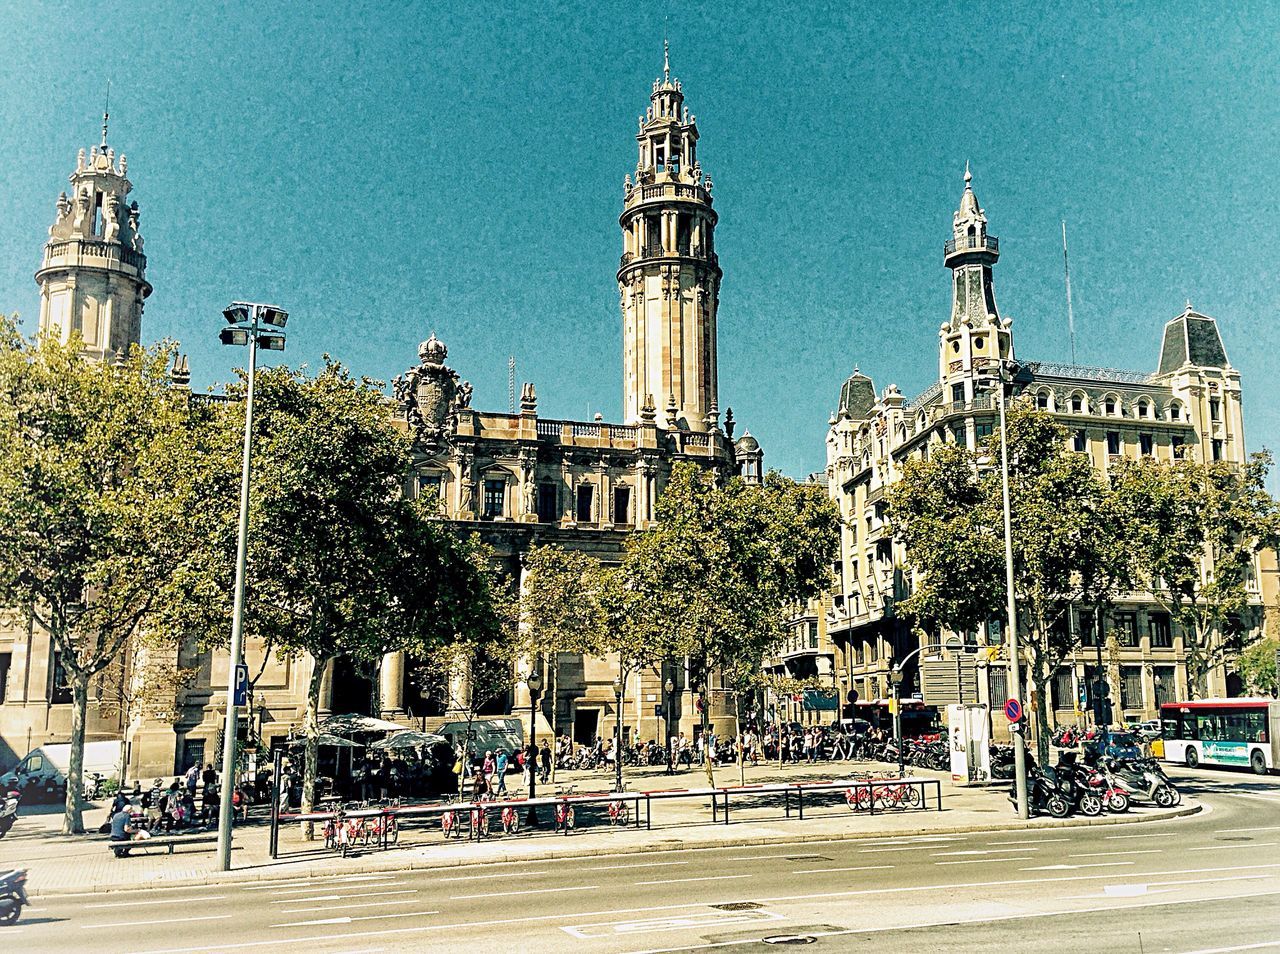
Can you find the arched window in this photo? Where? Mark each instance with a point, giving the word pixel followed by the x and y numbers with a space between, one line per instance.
pixel 1175 411
pixel 1111 405
pixel 1079 403
pixel 1044 400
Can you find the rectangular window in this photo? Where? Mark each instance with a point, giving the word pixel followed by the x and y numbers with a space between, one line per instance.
pixel 1166 690
pixel 548 503
pixel 1113 442
pixel 957 393
pixel 982 429
pixel 1110 407
pixel 1160 630
pixel 1147 443
pixel 1064 693
pixel 1088 629
pixel 1078 442
pixel 998 684
pixel 430 489
pixel 1217 449
pixel 1042 401
pixel 586 495
pixel 5 660
pixel 495 492
pixel 1126 629
pixel 1179 448
pixel 1215 409
pixel 1077 404
pixel 995 632
pixel 60 687
pixel 1131 687
pixel 622 505
pixel 813 635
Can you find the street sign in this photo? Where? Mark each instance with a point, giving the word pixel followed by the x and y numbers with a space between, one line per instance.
pixel 242 684
pixel 657 711
pixel 1013 710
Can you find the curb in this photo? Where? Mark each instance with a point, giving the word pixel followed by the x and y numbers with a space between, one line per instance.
pixel 430 864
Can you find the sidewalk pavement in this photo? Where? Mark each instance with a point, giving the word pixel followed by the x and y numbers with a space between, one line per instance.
pixel 61 864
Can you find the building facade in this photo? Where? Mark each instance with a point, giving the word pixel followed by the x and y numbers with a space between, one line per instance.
pixel 517 479
pixel 1188 407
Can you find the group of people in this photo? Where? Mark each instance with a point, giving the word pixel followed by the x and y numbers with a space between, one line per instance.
pixel 486 776
pixel 138 814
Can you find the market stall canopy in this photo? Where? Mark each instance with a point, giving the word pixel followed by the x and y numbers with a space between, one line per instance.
pixel 352 723
pixel 409 739
pixel 329 739
pixel 487 734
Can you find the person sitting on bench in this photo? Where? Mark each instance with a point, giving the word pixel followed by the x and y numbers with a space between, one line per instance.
pixel 122 829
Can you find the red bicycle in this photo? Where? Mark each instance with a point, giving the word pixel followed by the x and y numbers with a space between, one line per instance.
pixel 449 824
pixel 564 817
pixel 479 822
pixel 618 813
pixel 510 820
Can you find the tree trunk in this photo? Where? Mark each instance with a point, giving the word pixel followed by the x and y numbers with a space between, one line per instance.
pixel 73 820
pixel 311 728
pixel 1042 721
pixel 706 737
pixel 551 688
pixel 737 721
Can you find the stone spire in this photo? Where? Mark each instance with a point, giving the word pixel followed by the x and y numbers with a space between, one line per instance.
pixel 93 276
pixel 669 278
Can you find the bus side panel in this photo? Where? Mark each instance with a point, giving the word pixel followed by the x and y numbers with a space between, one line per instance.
pixel 1175 750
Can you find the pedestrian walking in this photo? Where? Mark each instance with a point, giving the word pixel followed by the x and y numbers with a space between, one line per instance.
pixel 546 762
pixel 500 771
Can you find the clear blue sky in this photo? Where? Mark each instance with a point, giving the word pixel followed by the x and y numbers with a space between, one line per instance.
pixel 386 170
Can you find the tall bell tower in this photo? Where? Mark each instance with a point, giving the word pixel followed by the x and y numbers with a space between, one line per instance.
pixel 93 276
pixel 669 279
pixel 975 335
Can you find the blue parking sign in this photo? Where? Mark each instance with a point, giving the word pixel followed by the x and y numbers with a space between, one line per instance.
pixel 242 685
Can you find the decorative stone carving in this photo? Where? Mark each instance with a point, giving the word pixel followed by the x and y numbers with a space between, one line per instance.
pixel 111 219
pixel 528 399
pixel 431 394
pixel 133 224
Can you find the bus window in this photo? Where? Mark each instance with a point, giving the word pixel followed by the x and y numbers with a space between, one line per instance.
pixel 1208 726
pixel 1169 728
pixel 1257 727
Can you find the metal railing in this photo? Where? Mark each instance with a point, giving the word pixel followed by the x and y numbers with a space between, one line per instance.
pixel 1080 372
pixel 972 243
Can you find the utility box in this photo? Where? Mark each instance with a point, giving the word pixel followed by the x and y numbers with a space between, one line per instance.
pixel 969 738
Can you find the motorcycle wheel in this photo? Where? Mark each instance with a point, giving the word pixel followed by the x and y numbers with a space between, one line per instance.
pixel 10 909
pixel 1165 796
pixel 1058 806
pixel 1090 804
pixel 1118 802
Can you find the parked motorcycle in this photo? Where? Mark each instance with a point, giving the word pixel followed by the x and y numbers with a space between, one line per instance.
pixel 1047 791
pixel 1142 779
pixel 13 895
pixel 9 812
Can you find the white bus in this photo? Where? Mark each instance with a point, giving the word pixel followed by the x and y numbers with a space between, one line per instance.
pixel 1235 732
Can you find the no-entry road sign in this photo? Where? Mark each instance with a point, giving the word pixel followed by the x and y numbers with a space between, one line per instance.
pixel 1013 710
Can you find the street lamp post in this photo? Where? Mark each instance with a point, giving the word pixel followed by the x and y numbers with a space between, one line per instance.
pixel 245 322
pixel 618 686
pixel 1015 671
pixel 534 682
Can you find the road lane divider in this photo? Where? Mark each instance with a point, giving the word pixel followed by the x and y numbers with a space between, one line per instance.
pixel 704 878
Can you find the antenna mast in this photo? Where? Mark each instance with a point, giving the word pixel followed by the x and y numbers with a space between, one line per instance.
pixel 1071 317
pixel 511 383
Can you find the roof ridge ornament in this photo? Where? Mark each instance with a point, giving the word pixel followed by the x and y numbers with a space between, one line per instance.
pixel 666 61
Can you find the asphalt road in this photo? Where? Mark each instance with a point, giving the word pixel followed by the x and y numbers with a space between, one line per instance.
pixel 1205 883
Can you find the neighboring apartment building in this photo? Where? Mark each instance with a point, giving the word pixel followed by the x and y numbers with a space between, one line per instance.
pixel 515 478
pixel 1188 407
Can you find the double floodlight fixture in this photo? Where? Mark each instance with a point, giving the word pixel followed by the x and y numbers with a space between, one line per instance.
pixel 244 317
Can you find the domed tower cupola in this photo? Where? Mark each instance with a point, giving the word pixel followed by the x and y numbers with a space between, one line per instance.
pixel 669 276
pixel 975 332
pixel 93 275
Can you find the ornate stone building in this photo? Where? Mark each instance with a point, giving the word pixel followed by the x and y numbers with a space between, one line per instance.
pixel 515 478
pixel 1188 407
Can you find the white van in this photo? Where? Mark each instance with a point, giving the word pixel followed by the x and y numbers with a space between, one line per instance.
pixel 46 765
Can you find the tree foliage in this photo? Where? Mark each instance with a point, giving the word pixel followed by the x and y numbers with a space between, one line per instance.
pixel 1195 531
pixel 948 511
pixel 1257 667
pixel 98 473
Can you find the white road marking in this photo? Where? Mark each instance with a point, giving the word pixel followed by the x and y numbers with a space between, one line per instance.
pixel 511 894
pixel 702 921
pixel 649 864
pixel 1092 864
pixel 1126 837
pixel 1260 945
pixel 344 897
pixel 1029 841
pixel 871 851
pixel 130 904
pixel 316 882
pixel 1233 847
pixel 1233 831
pixel 347 907
pixel 983 851
pixel 330 886
pixel 488 877
pixel 707 878
pixel 856 868
pixel 983 861
pixel 1108 854
pixel 349 920
pixel 614 912
pixel 132 924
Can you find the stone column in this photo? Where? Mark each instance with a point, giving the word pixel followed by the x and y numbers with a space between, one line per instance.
pixel 326 690
pixel 392 684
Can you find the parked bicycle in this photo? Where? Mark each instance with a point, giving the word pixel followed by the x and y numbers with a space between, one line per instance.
pixel 449 824
pixel 510 820
pixel 619 813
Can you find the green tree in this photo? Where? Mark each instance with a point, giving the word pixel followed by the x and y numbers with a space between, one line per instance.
pixel 340 563
pixel 1195 531
pixel 1257 667
pixel 97 477
pixel 715 578
pixel 948 512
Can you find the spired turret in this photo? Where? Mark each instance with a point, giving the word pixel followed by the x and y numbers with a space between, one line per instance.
pixel 93 275
pixel 669 277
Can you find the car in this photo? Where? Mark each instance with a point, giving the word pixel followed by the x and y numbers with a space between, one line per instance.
pixel 1149 729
